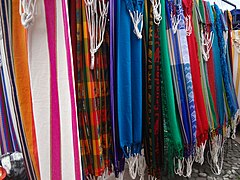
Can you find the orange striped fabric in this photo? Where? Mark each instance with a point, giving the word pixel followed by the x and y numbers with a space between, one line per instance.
pixel 20 56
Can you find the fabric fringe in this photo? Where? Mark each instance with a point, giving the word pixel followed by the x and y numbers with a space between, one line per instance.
pixel 137 165
pixel 216 151
pixel 120 175
pixel 104 176
pixel 150 177
pixel 234 123
pixel 199 157
pixel 181 168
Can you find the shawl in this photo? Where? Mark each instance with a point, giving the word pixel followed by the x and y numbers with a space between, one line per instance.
pixel 173 147
pixel 153 130
pixel 8 75
pixel 202 121
pixel 93 102
pixel 230 93
pixel 57 135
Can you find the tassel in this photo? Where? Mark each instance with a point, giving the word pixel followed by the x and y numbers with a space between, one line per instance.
pixel 179 169
pixel 120 175
pixel 189 162
pixel 235 123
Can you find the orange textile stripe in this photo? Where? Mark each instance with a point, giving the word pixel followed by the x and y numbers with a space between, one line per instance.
pixel 21 70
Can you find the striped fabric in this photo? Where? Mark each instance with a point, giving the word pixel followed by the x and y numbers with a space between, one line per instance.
pixel 93 101
pixel 54 107
pixel 21 72
pixel 8 75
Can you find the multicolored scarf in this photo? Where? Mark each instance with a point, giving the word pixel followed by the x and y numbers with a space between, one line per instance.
pixel 93 101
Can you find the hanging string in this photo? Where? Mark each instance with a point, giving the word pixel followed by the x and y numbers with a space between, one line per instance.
pixel 27 12
pixel 137 18
pixel 207 42
pixel 156 4
pixel 96 25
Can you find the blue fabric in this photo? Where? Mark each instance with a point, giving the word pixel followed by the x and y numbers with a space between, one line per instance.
pixel 224 66
pixel 129 78
pixel 217 70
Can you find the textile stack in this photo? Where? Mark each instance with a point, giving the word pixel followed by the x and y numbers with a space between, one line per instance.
pixel 92 89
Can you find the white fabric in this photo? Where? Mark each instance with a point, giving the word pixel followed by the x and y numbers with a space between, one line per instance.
pixel 67 155
pixel 40 85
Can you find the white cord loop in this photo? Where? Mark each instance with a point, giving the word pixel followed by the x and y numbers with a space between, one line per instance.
pixel 156 4
pixel 207 42
pixel 137 18
pixel 27 12
pixel 188 25
pixel 96 24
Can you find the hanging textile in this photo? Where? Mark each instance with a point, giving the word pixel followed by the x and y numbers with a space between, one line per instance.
pixel 235 32
pixel 21 71
pixel 182 82
pixel 202 121
pixel 50 54
pixel 153 124
pixel 118 156
pixel 173 146
pixel 129 22
pixel 222 42
pixel 8 80
pixel 93 101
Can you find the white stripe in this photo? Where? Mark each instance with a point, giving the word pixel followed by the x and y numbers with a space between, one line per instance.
pixel 40 86
pixel 67 152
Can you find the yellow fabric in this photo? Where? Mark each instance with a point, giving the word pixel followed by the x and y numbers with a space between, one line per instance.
pixel 20 57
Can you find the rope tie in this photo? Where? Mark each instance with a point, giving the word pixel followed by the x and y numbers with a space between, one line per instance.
pixel 156 4
pixel 188 25
pixel 27 12
pixel 137 18
pixel 207 42
pixel 96 25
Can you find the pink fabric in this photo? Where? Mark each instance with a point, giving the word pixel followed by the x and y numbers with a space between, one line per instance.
pixel 72 93
pixel 55 134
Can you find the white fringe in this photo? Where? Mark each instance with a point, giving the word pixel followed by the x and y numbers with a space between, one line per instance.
pixel 207 42
pixel 180 168
pixel 216 151
pixel 150 177
pixel 120 175
pixel 199 158
pixel 156 4
pixel 104 176
pixel 234 123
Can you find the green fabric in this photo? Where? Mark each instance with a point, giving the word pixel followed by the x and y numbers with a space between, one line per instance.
pixel 174 143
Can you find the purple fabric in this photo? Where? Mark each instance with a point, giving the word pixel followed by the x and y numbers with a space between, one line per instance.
pixel 118 154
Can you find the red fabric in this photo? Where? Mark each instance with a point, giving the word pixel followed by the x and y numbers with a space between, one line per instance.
pixel 202 121
pixel 210 63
